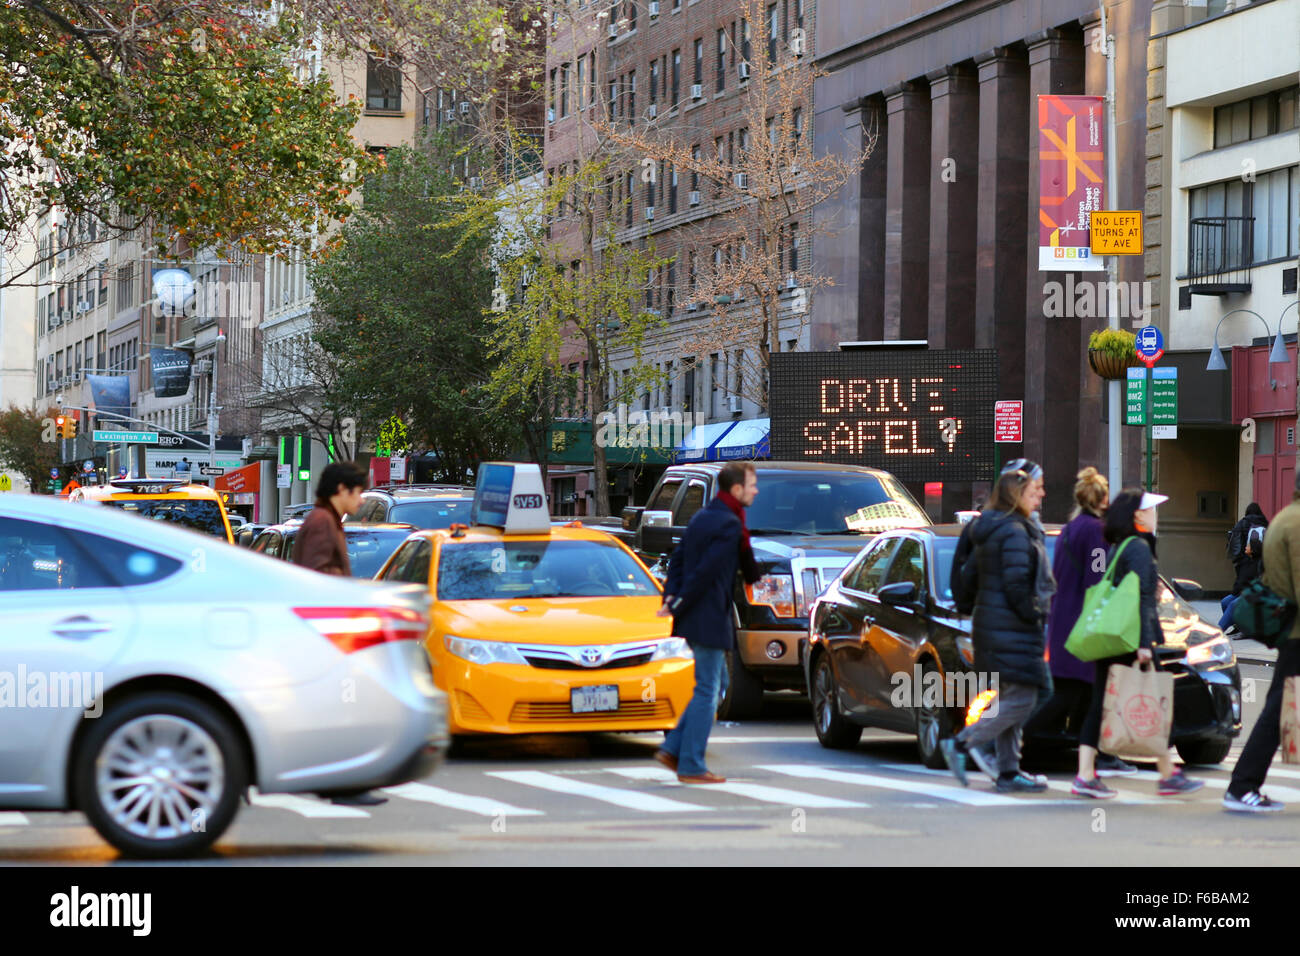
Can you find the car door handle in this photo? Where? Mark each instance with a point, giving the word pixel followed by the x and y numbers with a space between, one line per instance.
pixel 80 627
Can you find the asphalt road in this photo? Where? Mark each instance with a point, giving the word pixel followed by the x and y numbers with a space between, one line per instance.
pixel 602 800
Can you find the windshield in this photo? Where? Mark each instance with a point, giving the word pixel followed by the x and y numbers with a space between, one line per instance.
pixel 832 503
pixel 437 513
pixel 196 513
pixel 368 550
pixel 537 569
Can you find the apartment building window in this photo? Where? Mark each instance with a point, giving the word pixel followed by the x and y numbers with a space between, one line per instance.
pixel 672 287
pixel 551 93
pixel 592 81
pixel 654 80
pixel 739 366
pixel 100 342
pixel 798 13
pixel 677 78
pixel 650 192
pixel 744 145
pixel 564 89
pixel 690 275
pixel 773 31
pixel 722 59
pixel 103 282
pixel 631 14
pixel 383 84
pixel 672 190
pixel 716 385
pixel 699 61
pixel 677 4
pixel 631 97
pixel 652 277
pixel 688 385
pixel 695 168
pixel 745 48
pixel 628 193
pixel 794 247
pixel 731 148
pixel 1255 118
pixel 613 97
pixel 1273 201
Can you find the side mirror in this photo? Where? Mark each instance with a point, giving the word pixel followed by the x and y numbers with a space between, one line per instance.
pixel 900 592
pixel 1187 589
pixel 631 517
pixel 656 532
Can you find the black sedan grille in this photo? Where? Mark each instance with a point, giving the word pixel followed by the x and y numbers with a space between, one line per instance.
pixel 555 665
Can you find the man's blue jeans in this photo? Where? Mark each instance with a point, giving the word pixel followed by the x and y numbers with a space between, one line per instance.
pixel 688 740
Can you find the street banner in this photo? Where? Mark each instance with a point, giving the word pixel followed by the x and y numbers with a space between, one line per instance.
pixel 110 394
pixel 171 372
pixel 1071 165
pixel 247 478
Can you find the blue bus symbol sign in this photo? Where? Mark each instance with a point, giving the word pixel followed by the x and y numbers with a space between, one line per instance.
pixel 1150 344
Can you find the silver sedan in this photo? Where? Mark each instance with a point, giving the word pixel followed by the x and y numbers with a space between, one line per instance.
pixel 149 675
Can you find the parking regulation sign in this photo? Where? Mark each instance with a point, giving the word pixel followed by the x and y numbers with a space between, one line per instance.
pixel 1008 421
pixel 1150 345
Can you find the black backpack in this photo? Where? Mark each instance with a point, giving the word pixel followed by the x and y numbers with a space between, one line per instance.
pixel 965 578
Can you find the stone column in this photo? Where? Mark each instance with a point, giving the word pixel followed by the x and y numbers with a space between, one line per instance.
pixel 1051 345
pixel 871 225
pixel 907 212
pixel 954 192
pixel 1000 214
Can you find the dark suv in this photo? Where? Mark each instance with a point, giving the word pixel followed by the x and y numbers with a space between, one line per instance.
pixel 806 524
pixel 424 506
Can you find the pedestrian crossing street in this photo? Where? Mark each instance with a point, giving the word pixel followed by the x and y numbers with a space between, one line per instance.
pixel 848 782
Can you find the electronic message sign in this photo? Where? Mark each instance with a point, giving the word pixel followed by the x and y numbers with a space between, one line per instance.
pixel 923 415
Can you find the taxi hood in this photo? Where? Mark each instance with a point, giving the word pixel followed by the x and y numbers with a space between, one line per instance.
pixel 558 620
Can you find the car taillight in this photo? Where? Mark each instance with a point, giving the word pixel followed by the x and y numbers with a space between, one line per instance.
pixel 356 628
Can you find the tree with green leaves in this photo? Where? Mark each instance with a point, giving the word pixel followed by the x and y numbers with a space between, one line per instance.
pixel 28 443
pixel 399 315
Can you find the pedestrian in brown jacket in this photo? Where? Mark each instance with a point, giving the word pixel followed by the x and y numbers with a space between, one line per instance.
pixel 320 543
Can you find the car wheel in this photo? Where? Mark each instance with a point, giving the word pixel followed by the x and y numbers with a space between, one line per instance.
pixel 160 775
pixel 833 731
pixel 1205 752
pixel 744 697
pixel 933 724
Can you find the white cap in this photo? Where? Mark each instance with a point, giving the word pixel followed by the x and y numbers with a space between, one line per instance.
pixel 1150 501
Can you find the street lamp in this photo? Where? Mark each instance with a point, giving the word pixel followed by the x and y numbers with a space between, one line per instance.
pixel 212 405
pixel 1276 356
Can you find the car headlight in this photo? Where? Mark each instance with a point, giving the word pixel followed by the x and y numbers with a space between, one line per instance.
pixel 774 590
pixel 483 652
pixel 1215 651
pixel 672 647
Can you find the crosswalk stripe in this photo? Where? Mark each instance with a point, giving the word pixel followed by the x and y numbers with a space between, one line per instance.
pixel 755 791
pixel 12 818
pixel 303 806
pixel 483 806
pixel 1057 785
pixel 632 799
pixel 975 798
pixel 1276 791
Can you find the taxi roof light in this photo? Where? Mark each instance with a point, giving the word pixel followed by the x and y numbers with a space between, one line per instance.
pixel 510 496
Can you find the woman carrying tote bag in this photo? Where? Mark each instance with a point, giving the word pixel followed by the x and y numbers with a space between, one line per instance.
pixel 1131 532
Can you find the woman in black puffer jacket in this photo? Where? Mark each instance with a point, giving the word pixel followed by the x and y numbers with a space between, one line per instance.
pixel 1131 532
pixel 1013 593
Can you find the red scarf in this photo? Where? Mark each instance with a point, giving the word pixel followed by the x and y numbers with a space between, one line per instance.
pixel 738 510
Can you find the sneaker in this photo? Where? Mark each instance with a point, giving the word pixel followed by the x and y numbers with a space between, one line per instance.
pixel 1021 783
pixel 1108 766
pixel 1178 784
pixel 986 760
pixel 1092 788
pixel 955 759
pixel 1253 802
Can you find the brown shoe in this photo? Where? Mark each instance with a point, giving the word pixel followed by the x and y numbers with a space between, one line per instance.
pixel 667 759
pixel 705 777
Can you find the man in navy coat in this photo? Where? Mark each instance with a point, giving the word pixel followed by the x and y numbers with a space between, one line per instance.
pixel 701 576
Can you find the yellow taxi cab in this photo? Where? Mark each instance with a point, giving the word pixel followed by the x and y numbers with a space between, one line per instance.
pixel 542 629
pixel 164 499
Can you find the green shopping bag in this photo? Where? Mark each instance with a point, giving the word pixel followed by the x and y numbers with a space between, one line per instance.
pixel 1110 623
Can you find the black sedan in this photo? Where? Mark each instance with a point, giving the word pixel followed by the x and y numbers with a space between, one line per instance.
pixel 886 648
pixel 369 545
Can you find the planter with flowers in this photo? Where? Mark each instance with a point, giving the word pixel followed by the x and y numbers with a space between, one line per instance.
pixel 1111 352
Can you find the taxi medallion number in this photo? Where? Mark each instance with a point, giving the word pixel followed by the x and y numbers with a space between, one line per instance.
pixel 586 700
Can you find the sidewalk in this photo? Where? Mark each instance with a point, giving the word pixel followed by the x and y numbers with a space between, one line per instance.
pixel 1250 652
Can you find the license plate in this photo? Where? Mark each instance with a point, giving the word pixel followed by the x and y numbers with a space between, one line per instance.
pixel 586 700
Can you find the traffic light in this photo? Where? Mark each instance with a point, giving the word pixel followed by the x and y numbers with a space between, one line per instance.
pixel 60 425
pixel 70 429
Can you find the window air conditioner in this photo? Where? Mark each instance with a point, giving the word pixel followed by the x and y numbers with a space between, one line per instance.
pixel 694 306
pixel 464 107
pixel 649 213
pixel 790 281
pixel 550 114
pixel 449 115
pixel 654 8
pixel 694 197
pixel 735 404
pixel 741 180
pixel 651 111
pixel 613 31
pixel 744 70
pixel 697 91
pixel 476 182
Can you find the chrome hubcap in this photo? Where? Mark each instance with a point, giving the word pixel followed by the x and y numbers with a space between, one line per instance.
pixel 159 776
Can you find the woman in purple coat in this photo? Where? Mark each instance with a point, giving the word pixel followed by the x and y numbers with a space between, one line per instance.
pixel 1078 564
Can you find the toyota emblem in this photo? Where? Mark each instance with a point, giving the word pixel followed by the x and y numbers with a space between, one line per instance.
pixel 591 656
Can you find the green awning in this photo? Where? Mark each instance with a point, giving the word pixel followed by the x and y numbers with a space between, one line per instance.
pixel 569 443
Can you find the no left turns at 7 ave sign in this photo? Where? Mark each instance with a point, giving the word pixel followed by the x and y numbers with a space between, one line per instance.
pixel 1116 232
